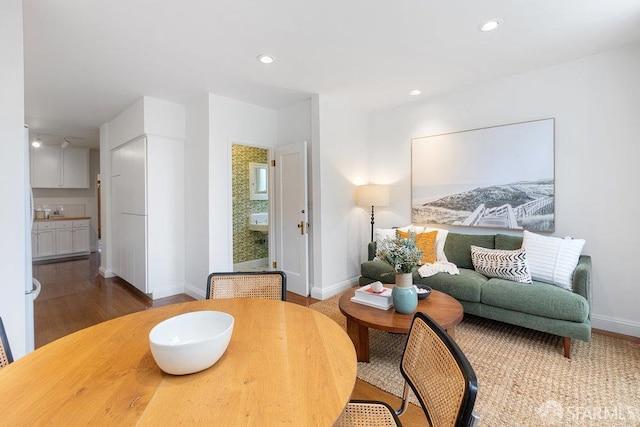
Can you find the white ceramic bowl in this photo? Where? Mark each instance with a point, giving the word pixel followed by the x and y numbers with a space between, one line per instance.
pixel 191 342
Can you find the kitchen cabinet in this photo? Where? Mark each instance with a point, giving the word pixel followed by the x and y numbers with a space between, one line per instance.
pixel 147 218
pixel 55 167
pixel 75 168
pixel 60 238
pixel 80 237
pixel 45 240
pixel 64 240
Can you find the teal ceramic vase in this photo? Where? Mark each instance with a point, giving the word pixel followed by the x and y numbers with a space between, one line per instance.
pixel 404 295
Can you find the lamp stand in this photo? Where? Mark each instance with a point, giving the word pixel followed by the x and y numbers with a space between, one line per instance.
pixel 372 221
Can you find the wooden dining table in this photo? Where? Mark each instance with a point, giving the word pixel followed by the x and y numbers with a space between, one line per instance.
pixel 285 364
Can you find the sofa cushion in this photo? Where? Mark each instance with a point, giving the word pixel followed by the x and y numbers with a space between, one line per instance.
pixel 466 286
pixel 457 247
pixel 507 242
pixel 378 270
pixel 537 298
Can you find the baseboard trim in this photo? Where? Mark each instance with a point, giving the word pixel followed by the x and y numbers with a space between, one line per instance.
pixel 194 291
pixel 613 324
pixel 106 273
pixel 335 289
pixel 168 292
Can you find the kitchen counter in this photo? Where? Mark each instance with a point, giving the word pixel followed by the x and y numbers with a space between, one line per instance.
pixel 63 218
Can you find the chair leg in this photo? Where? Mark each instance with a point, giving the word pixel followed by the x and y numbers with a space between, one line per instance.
pixel 405 399
pixel 567 347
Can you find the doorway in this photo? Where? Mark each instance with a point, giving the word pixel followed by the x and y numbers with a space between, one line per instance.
pixel 250 207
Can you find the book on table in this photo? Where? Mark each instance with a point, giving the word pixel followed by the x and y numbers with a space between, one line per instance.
pixel 365 295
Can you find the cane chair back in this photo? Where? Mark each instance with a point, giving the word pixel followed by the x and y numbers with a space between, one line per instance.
pixel 440 376
pixel 5 350
pixel 251 284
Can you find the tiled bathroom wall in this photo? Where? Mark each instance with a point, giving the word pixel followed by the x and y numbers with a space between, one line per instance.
pixel 247 245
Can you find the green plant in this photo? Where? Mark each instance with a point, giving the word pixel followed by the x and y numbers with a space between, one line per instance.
pixel 401 253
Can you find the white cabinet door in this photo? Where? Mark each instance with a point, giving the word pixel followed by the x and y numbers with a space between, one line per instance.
pixel 133 172
pixel 81 239
pixel 140 253
pixel 46 242
pixel 64 241
pixel 75 168
pixel 45 166
pixel 133 257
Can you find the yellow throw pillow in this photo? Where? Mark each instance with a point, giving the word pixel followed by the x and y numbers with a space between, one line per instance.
pixel 426 242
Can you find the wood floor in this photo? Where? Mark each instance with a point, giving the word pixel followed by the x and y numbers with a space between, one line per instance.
pixel 74 296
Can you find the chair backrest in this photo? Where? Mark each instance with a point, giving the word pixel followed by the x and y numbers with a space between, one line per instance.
pixel 439 374
pixel 250 284
pixel 5 350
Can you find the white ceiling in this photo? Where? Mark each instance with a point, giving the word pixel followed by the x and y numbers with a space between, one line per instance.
pixel 85 61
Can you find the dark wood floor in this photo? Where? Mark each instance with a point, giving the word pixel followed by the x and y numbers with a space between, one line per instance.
pixel 74 296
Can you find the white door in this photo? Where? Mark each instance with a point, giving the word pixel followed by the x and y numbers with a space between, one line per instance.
pixel 292 238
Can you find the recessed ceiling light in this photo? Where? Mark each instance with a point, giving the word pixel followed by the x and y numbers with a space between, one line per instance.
pixel 490 25
pixel 415 92
pixel 266 59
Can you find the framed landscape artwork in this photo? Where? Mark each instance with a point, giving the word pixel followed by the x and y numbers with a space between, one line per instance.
pixel 498 177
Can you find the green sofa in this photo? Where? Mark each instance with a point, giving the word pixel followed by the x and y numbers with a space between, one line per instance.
pixel 540 306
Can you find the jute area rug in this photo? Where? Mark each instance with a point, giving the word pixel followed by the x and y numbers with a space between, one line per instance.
pixel 523 378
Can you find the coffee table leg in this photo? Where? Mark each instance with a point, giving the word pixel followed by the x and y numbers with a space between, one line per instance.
pixel 360 337
pixel 452 332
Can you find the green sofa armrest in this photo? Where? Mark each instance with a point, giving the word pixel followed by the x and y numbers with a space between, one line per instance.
pixel 372 251
pixel 582 278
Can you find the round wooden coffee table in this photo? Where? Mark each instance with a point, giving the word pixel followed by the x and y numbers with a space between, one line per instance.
pixel 442 308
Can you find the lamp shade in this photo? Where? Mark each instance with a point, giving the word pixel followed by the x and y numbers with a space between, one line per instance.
pixel 373 195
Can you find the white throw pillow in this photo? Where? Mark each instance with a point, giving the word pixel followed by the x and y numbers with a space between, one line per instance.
pixel 509 265
pixel 552 259
pixel 389 233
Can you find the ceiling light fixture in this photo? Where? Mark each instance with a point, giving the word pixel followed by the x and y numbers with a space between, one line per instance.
pixel 490 25
pixel 415 92
pixel 65 143
pixel 36 142
pixel 266 59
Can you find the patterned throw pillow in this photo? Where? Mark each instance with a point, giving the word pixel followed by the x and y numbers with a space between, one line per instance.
pixel 426 242
pixel 509 265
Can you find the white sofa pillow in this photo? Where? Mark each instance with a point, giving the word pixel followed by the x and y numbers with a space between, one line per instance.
pixel 552 259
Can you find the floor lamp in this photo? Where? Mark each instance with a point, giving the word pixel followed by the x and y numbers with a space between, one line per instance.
pixel 373 195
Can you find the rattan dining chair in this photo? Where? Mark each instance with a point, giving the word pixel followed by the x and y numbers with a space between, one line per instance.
pixel 440 376
pixel 249 284
pixel 5 350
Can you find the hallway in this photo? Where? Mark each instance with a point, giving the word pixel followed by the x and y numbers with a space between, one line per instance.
pixel 74 296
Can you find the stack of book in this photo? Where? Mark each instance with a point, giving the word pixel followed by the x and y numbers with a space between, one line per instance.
pixel 365 295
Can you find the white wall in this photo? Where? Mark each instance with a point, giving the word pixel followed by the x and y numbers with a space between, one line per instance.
pixel 197 227
pixel 13 257
pixel 339 163
pixel 596 102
